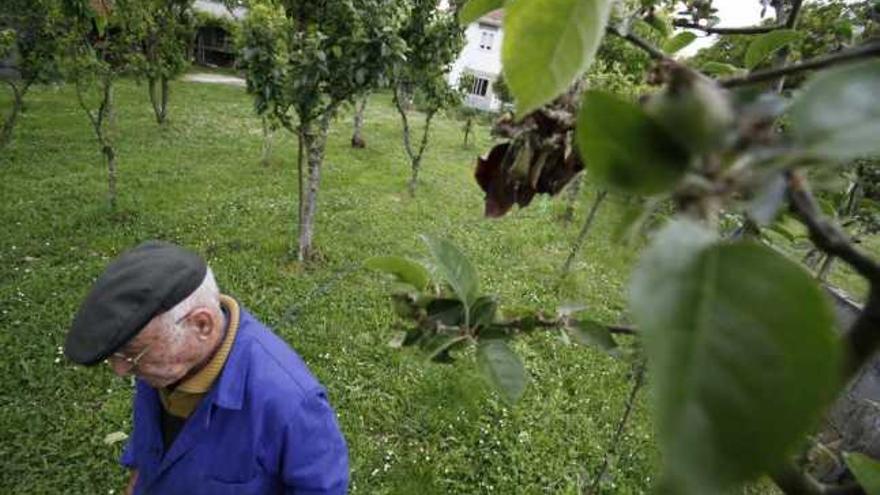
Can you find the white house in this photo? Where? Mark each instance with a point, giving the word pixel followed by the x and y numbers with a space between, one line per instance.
pixel 481 57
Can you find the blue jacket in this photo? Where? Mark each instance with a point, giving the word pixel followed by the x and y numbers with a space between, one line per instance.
pixel 265 427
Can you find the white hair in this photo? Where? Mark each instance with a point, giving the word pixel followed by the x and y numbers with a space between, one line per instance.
pixel 206 295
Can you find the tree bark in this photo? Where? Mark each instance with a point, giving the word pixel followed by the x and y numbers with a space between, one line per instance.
pixel 12 118
pixel 102 121
pixel 268 134
pixel 468 125
pixel 582 235
pixel 314 141
pixel 574 190
pixel 357 138
pixel 415 155
pixel 159 97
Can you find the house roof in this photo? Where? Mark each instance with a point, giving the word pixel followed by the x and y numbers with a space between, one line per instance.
pixel 494 18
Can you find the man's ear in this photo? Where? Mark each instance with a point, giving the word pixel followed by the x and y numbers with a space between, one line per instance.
pixel 204 323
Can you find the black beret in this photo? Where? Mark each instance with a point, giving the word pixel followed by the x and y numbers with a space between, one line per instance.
pixel 138 285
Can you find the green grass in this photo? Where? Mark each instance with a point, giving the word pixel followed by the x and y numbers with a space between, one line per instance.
pixel 410 426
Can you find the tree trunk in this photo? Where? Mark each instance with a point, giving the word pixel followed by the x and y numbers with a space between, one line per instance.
pixel 158 97
pixel 582 235
pixel 12 118
pixel 268 134
pixel 315 141
pixel 110 157
pixel 574 190
pixel 468 125
pixel 300 175
pixel 415 156
pixel 357 138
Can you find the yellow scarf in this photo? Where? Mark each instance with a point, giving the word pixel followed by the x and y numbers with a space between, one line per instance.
pixel 184 399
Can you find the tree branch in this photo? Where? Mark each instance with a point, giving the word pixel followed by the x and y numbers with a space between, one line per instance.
pixel 827 236
pixel 788 24
pixel 868 50
pixel 684 24
pixel 654 52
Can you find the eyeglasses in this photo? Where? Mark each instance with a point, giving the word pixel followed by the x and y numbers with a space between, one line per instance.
pixel 132 362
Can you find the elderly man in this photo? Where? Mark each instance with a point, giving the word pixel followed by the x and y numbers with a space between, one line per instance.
pixel 222 405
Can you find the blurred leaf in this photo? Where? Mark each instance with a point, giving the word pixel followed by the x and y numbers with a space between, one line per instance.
pixel 783 231
pixel 866 471
pixel 721 69
pixel 502 368
pixel 404 270
pixel 449 312
pixel 679 41
pixel 660 22
pixel 591 333
pixel 769 198
pixel 741 350
pixel 456 269
pixel 440 342
pixel 397 341
pixel 559 36
pixel 626 148
pixel 474 9
pixel 837 115
pixel 570 309
pixel 115 437
pixel 765 45
pixel 483 312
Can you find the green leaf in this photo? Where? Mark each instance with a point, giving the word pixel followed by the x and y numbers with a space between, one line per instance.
pixel 741 350
pixel 660 22
pixel 475 9
pixel 502 368
pixel 626 148
pixel 591 333
pixel 679 41
pixel 837 115
pixel 483 311
pixel 721 69
pixel 448 312
pixel 440 342
pixel 866 471
pixel 456 269
pixel 766 44
pixel 404 270
pixel 548 44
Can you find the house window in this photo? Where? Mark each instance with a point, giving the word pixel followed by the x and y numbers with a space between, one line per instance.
pixel 480 86
pixel 487 39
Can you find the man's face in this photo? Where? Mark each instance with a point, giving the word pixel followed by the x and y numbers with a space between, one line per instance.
pixel 158 356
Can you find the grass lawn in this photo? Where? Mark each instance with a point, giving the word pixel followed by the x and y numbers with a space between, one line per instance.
pixel 411 427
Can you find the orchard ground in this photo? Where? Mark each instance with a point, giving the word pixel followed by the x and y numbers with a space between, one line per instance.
pixel 412 427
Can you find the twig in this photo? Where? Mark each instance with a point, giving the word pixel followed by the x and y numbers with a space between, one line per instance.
pixel 615 442
pixel 827 236
pixel 681 23
pixel 868 50
pixel 654 52
pixel 582 235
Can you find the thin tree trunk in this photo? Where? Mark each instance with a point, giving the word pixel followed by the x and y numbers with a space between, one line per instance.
pixel 166 91
pixel 158 97
pixel 300 176
pixel 574 190
pixel 582 236
pixel 468 125
pixel 268 134
pixel 357 138
pixel 12 118
pixel 415 156
pixel 110 157
pixel 618 433
pixel 315 141
pixel 102 122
